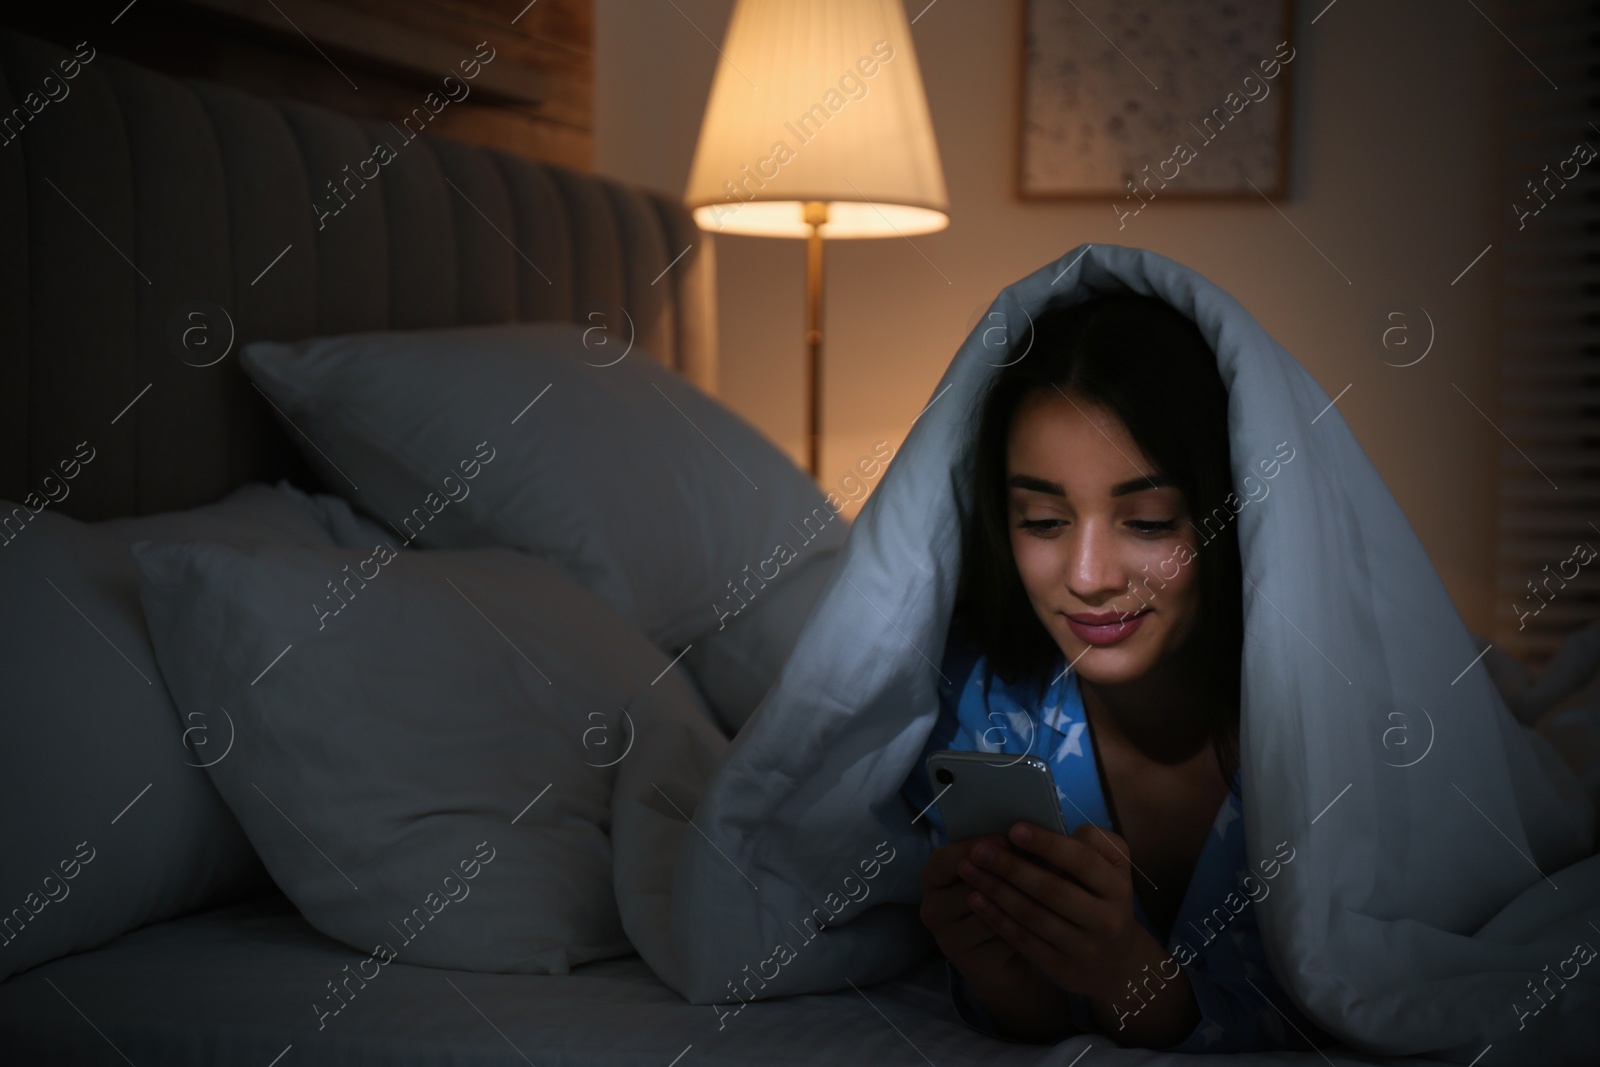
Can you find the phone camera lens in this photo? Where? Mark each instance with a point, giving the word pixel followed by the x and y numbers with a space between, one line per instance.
pixel 944 776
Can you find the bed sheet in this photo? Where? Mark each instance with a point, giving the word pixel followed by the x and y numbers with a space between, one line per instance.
pixel 236 987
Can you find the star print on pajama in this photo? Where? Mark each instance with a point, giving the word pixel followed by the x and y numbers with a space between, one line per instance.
pixel 1215 938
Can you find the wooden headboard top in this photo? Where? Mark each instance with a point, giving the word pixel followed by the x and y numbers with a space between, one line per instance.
pixel 152 224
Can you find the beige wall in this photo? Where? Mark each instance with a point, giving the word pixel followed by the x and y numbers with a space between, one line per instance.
pixel 1396 129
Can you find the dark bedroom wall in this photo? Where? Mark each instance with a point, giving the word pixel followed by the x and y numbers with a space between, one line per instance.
pixel 1395 177
pixel 375 58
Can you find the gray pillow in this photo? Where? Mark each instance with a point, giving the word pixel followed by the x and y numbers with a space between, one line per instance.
pixel 427 741
pixel 647 491
pixel 109 822
pixel 332 513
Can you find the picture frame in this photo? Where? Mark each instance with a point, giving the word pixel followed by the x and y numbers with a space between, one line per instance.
pixel 1143 99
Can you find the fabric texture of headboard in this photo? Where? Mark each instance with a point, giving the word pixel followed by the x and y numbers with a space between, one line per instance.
pixel 135 207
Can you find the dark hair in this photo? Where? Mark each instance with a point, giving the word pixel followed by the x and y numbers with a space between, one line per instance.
pixel 1147 363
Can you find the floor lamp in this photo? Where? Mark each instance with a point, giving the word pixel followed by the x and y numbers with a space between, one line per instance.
pixel 817 127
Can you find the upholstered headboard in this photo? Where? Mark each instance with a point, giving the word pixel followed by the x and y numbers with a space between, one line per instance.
pixel 135 207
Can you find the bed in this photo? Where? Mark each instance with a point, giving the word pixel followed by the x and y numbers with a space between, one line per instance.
pixel 156 226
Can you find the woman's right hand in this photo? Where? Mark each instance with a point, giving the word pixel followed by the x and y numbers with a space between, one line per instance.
pixel 1023 1002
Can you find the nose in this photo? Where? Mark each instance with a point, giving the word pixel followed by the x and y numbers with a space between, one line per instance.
pixel 1094 574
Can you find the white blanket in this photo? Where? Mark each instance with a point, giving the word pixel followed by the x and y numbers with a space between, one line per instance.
pixel 1422 898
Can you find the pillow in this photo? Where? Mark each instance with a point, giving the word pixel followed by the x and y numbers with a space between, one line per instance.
pixel 109 821
pixel 647 491
pixel 342 525
pixel 427 741
pixel 737 663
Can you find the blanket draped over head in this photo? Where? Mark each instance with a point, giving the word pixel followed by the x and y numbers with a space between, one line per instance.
pixel 1431 880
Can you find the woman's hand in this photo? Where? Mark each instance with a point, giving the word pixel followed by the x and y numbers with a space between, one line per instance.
pixel 979 953
pixel 1024 1003
pixel 1072 918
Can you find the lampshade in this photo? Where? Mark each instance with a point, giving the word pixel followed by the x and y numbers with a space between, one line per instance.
pixel 818 100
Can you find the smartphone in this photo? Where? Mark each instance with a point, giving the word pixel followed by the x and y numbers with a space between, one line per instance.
pixel 981 793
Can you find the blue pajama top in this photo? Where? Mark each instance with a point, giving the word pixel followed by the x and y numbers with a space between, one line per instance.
pixel 1227 967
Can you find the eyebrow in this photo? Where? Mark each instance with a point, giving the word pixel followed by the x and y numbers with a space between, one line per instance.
pixel 1133 485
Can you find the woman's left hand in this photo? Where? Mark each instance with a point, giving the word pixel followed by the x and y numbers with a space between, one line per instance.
pixel 1071 917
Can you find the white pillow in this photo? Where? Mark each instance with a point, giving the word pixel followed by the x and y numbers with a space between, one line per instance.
pixel 427 741
pixel 108 821
pixel 647 491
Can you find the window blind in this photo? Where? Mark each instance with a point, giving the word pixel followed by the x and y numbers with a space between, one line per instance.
pixel 1547 580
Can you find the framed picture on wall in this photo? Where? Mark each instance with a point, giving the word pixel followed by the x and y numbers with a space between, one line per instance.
pixel 1140 99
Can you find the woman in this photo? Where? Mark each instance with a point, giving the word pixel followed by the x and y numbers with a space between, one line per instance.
pixel 1098 626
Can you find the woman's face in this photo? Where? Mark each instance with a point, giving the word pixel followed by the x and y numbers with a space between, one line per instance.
pixel 1099 538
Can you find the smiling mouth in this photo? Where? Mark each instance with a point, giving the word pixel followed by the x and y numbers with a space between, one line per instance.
pixel 1110 618
pixel 1115 626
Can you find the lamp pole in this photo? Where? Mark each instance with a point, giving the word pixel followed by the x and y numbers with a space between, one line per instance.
pixel 816 213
